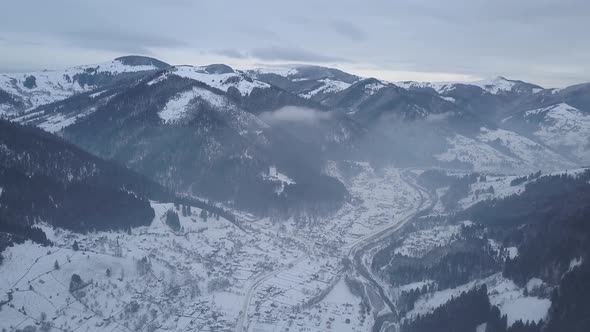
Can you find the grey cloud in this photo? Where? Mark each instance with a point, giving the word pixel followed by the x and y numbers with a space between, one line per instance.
pixel 292 54
pixel 349 30
pixel 119 40
pixel 230 53
pixel 532 40
pixel 294 114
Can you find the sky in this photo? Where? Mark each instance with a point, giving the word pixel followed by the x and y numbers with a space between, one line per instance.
pixel 540 41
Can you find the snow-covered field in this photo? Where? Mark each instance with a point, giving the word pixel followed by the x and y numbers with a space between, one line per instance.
pixel 419 243
pixel 564 126
pixel 503 293
pixel 195 277
pixel 502 150
pixel 328 86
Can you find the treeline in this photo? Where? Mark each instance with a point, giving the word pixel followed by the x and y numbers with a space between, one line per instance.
pixel 458 187
pixel 548 222
pixel 524 178
pixel 456 264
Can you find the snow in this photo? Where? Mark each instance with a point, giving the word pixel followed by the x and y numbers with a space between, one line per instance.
pixel 373 88
pixel 56 85
pixel 275 175
pixel 178 106
pixel 223 82
pixel 563 126
pixel 278 177
pixel 481 327
pixel 531 152
pixel 281 71
pixel 340 294
pixel 496 85
pixel 526 309
pixel 328 86
pixel 512 252
pixel 419 243
pixel 479 154
pixel 199 253
pixel 534 284
pixel 503 293
pixel 414 285
pixel 182 106
pixel 501 185
pixel 575 263
pixel 117 67
pixel 301 265
pixel 500 150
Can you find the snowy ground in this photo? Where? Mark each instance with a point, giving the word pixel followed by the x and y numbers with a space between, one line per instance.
pixel 296 298
pixel 196 278
pixel 200 277
pixel 503 293
pixel 277 275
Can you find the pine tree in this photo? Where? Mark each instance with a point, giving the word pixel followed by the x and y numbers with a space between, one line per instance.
pixel 75 246
pixel 56 265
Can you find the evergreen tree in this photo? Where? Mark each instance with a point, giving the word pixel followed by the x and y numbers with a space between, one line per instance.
pixel 203 215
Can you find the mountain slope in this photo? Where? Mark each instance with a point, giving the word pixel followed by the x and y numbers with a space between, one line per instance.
pixel 25 91
pixel 45 179
pixel 196 138
pixel 560 126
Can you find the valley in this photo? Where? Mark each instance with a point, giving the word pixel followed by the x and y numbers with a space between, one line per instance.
pixel 273 276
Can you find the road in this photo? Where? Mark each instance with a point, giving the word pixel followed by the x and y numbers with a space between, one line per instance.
pixel 356 253
pixel 242 324
pixel 373 240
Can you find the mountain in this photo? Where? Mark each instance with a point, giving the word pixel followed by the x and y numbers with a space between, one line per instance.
pixel 310 82
pixel 522 248
pixel 194 137
pixel 22 92
pixel 225 130
pixel 46 179
pixel 559 126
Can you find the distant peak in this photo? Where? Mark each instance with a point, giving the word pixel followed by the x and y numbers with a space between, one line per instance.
pixel 218 68
pixel 138 60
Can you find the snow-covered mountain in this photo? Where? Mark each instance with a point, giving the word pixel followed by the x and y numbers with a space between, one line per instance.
pixel 310 82
pixel 21 92
pixel 491 125
pixel 559 126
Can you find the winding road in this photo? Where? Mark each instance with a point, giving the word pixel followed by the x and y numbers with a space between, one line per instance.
pixel 368 243
pixel 359 248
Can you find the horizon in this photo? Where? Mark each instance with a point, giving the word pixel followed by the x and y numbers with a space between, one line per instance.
pixel 257 65
pixel 534 41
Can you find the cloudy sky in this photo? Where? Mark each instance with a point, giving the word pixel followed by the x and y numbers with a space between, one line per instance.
pixel 542 41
